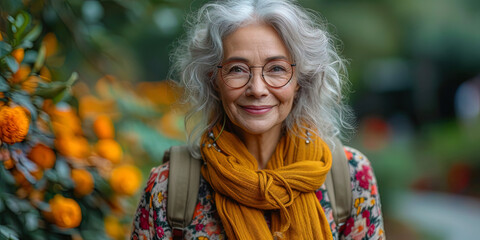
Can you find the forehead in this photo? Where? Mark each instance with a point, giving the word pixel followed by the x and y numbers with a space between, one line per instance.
pixel 254 42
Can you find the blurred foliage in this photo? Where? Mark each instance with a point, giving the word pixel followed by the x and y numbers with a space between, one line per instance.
pixel 98 68
pixel 69 148
pixel 52 184
pixel 407 60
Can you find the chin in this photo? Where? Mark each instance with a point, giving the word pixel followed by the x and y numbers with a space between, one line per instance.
pixel 257 128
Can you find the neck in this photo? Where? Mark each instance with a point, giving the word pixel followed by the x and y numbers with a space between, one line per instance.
pixel 261 146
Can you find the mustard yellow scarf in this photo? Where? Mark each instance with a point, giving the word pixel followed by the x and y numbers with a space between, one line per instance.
pixel 287 186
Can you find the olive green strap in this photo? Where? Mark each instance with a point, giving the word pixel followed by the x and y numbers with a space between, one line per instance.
pixel 338 184
pixel 184 182
pixel 183 185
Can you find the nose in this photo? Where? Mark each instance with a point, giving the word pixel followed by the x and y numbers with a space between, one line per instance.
pixel 256 87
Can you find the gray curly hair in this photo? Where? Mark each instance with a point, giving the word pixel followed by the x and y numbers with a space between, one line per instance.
pixel 320 71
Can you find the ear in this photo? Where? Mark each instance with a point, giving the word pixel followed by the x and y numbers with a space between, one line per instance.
pixel 215 85
pixel 297 88
pixel 296 91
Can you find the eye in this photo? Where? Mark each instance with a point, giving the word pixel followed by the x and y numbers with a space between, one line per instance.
pixel 276 68
pixel 237 69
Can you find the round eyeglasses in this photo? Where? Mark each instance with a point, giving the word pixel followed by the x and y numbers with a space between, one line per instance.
pixel 276 73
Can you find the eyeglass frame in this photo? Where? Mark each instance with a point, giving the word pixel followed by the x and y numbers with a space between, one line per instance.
pixel 263 77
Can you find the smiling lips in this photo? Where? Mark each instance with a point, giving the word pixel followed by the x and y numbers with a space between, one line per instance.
pixel 252 109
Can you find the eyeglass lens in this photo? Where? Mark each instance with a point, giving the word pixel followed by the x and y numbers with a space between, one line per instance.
pixel 275 73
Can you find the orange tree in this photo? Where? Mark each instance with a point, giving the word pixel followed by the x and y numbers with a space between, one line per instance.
pixel 57 181
pixel 71 143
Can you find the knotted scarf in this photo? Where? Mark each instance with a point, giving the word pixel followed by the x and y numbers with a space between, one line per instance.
pixel 286 188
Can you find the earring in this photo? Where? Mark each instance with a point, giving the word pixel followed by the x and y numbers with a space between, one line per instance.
pixel 308 138
pixel 214 139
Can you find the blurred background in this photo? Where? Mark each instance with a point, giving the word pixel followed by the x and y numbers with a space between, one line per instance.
pixel 86 107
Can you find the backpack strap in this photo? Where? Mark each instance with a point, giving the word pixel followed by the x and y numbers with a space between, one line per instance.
pixel 339 188
pixel 184 182
pixel 183 185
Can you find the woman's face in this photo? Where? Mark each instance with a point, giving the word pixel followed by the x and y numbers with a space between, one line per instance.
pixel 256 108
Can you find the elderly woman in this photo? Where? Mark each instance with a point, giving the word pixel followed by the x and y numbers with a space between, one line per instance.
pixel 264 83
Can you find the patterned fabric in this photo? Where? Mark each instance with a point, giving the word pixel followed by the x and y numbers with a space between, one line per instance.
pixel 365 221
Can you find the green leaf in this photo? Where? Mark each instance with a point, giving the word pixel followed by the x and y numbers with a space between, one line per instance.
pixel 2 205
pixel 24 205
pixel 54 89
pixel 50 90
pixel 40 59
pixel 12 204
pixel 25 44
pixel 12 63
pixel 23 160
pixel 43 206
pixel 19 21
pixel 7 176
pixel 33 34
pixel 5 49
pixel 11 19
pixel 22 21
pixel 51 175
pixel 4 85
pixel 30 56
pixel 8 233
pixel 26 173
pixel 24 100
pixel 63 170
pixel 31 221
pixel 60 97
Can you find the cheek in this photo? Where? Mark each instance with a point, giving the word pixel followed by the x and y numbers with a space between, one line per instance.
pixel 288 96
pixel 287 99
pixel 228 99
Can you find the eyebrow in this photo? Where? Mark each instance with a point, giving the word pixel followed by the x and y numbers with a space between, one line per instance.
pixel 241 59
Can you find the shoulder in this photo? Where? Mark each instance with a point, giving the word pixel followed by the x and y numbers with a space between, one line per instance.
pixel 355 157
pixel 150 216
pixel 365 221
pixel 156 187
pixel 155 192
pixel 361 171
pixel 158 177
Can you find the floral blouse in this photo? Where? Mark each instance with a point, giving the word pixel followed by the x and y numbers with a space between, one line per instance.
pixel 365 221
